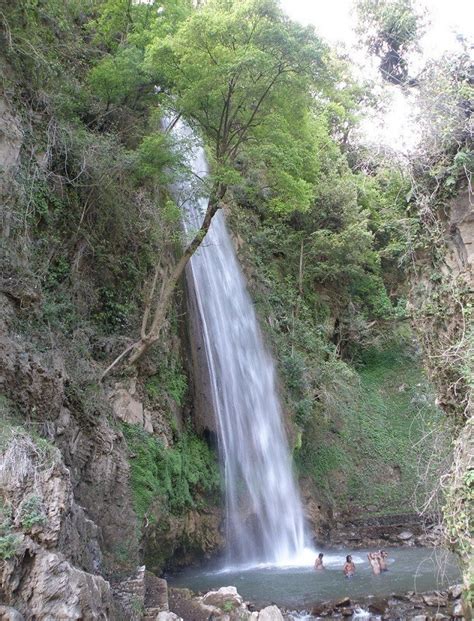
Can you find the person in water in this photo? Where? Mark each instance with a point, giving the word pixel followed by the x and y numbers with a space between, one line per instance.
pixel 349 567
pixel 318 563
pixel 374 561
pixel 382 556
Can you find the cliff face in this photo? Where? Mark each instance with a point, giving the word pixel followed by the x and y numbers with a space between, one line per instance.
pixel 74 512
pixel 51 550
pixel 459 226
pixel 442 296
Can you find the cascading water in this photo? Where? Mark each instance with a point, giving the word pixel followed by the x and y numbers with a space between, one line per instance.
pixel 264 512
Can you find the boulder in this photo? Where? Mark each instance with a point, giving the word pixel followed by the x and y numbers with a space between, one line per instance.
pixel 455 591
pixel 270 613
pixel 10 614
pixel 347 612
pixel 457 610
pixel 405 535
pixel 49 587
pixel 127 406
pixel 223 598
pixel 378 607
pixel 168 616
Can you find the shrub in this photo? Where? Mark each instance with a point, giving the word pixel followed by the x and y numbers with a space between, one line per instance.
pixel 31 513
pixel 181 476
pixel 9 545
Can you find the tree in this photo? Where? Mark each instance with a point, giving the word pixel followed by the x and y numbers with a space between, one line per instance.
pixel 390 29
pixel 229 68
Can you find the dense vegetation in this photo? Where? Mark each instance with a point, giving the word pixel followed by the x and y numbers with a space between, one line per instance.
pixel 330 232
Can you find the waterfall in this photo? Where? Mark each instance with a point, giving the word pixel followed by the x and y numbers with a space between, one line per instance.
pixel 264 517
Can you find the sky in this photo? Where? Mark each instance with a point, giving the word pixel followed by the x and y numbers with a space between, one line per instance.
pixel 335 21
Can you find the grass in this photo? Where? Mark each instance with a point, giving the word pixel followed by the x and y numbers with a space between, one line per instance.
pixel 369 459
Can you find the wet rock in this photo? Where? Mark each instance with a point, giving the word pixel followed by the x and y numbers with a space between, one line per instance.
pixel 405 535
pixel 457 610
pixel 378 607
pixel 434 599
pixel 347 612
pixel 223 598
pixel 322 609
pixel 416 599
pixel 270 613
pixel 343 602
pixel 455 591
pixel 201 530
pixel 10 614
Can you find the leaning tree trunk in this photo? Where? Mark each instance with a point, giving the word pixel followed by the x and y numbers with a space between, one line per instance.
pixel 150 333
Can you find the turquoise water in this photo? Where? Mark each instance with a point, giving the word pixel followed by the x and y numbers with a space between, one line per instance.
pixel 410 569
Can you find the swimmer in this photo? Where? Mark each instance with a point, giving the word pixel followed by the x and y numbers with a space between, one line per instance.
pixel 318 563
pixel 349 567
pixel 382 556
pixel 374 562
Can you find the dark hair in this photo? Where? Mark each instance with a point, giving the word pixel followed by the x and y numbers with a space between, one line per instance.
pixel 348 558
pixel 320 555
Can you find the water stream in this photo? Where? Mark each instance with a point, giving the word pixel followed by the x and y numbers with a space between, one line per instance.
pixel 264 517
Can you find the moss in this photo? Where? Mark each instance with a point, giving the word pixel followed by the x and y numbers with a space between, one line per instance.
pixel 181 477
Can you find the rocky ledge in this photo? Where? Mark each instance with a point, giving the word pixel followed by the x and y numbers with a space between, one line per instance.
pixel 429 606
pixel 405 529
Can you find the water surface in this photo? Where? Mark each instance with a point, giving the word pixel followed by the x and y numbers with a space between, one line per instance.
pixel 410 569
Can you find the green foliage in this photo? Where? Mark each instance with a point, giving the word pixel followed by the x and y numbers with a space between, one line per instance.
pixel 327 229
pixel 9 546
pixel 366 457
pixel 169 380
pixel 179 478
pixel 390 29
pixel 31 513
pixel 154 157
pixel 228 606
pixel 5 518
pixel 122 21
pixel 116 78
pixel 241 59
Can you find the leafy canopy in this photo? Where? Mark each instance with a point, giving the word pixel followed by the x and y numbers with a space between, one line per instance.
pixel 390 29
pixel 231 67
